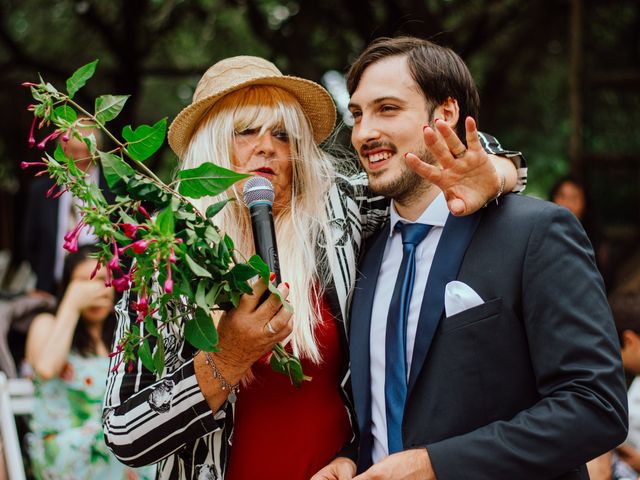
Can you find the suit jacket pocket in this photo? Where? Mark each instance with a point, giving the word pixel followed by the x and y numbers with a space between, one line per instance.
pixel 472 315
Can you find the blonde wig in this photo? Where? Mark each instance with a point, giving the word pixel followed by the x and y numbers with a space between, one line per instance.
pixel 300 226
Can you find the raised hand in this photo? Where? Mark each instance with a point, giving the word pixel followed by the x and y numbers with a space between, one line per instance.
pixel 466 175
pixel 88 294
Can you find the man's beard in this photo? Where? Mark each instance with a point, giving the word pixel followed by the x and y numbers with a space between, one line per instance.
pixel 407 186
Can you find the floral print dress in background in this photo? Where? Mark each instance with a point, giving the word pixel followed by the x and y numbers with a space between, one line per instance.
pixel 66 439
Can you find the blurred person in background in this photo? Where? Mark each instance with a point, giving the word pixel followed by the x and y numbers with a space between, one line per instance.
pixel 68 353
pixel 570 192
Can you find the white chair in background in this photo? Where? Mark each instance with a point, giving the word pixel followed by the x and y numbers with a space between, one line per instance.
pixel 16 398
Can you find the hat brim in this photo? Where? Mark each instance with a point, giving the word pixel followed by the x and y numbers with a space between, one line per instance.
pixel 315 101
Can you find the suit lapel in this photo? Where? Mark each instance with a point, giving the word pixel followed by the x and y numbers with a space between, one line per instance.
pixel 360 330
pixel 448 257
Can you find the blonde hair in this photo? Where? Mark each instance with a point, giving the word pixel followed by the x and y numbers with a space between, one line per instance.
pixel 301 226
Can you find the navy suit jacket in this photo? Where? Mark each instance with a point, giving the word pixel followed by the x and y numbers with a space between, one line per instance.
pixel 528 385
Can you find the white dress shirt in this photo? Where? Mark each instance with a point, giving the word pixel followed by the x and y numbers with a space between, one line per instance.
pixel 436 214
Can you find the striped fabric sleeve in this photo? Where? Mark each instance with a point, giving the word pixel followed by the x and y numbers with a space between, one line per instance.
pixel 492 146
pixel 146 419
pixel 373 209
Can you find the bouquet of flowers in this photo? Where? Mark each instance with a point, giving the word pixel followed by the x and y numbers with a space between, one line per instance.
pixel 183 267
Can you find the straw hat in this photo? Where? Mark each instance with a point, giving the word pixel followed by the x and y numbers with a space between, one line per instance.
pixel 234 73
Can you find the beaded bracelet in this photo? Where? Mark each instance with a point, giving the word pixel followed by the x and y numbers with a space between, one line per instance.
pixel 233 389
pixel 503 181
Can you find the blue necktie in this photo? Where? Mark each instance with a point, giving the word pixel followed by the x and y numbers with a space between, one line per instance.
pixel 395 383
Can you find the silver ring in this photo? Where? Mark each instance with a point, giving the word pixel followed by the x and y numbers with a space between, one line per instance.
pixel 270 328
pixel 459 154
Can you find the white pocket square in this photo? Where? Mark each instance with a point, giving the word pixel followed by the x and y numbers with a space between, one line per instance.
pixel 458 297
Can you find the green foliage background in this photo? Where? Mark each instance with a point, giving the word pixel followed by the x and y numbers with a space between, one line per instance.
pixel 156 50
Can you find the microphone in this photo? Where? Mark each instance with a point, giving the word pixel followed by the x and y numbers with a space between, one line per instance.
pixel 258 194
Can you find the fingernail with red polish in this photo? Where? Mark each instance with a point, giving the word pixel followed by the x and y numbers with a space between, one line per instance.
pixel 272 277
pixel 286 284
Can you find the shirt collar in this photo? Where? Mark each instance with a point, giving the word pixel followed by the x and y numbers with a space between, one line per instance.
pixel 435 214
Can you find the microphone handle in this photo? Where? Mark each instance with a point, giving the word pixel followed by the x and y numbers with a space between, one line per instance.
pixel 264 237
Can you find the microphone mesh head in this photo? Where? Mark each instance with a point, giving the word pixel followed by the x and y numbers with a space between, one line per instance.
pixel 258 189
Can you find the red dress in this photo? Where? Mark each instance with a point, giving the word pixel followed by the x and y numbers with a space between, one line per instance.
pixel 282 432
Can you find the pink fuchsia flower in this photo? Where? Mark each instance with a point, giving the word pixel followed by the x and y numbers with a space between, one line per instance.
pixel 130 230
pixel 139 246
pixel 114 263
pixel 71 238
pixel 51 136
pixel 29 84
pixel 60 193
pixel 95 270
pixel 25 165
pixel 168 283
pixel 144 212
pixel 119 348
pixel 51 190
pixel 172 256
pixel 71 245
pixel 141 306
pixel 122 283
pixel 32 139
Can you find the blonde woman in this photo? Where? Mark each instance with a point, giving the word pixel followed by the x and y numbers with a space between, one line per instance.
pixel 249 117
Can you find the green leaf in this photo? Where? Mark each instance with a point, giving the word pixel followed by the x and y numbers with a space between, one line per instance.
pixel 90 142
pixel 195 268
pixel 207 179
pixel 276 292
pixel 165 221
pixel 140 188
pixel 260 266
pixel 263 270
pixel 65 113
pixel 277 365
pixel 80 77
pixel 295 371
pixel 107 107
pixel 201 300
pixel 214 209
pixel 116 170
pixel 158 355
pixel 144 352
pixel 144 141
pixel 243 272
pixel 200 332
pixel 212 295
pixel 212 235
pixel 62 157
pixel 96 195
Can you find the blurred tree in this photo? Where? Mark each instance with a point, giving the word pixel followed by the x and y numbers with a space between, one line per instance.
pixel 156 50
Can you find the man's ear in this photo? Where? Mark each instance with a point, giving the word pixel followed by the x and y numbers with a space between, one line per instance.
pixel 449 111
pixel 630 339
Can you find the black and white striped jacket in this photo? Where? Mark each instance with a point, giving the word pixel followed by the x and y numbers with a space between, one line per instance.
pixel 148 420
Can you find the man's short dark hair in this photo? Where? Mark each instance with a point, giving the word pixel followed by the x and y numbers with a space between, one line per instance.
pixel 439 72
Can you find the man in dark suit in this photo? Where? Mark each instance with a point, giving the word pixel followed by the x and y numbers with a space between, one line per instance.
pixel 482 347
pixel 48 219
